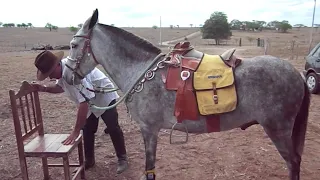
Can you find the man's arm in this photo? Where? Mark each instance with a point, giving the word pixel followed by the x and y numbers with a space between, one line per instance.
pixel 81 120
pixel 81 116
pixel 50 89
pixel 55 89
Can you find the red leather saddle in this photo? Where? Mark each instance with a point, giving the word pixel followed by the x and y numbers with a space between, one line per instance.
pixel 179 78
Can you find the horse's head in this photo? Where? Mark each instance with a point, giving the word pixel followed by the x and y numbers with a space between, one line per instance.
pixel 81 59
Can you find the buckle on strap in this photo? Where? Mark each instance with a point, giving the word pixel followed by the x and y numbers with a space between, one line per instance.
pixel 215 94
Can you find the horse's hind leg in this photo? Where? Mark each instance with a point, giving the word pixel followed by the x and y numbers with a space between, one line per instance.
pixel 284 144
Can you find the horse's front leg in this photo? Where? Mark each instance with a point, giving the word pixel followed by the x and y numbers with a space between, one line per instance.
pixel 150 137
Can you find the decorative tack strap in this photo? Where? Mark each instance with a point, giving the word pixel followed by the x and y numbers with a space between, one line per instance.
pixel 132 89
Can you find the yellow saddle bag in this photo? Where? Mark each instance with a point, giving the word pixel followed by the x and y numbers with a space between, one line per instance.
pixel 214 86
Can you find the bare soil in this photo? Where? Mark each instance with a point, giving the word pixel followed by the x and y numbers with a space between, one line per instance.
pixel 231 155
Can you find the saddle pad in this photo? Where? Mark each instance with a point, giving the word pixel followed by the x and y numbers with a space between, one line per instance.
pixel 214 86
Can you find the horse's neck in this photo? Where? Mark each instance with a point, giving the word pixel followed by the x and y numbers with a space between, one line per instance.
pixel 122 60
pixel 125 70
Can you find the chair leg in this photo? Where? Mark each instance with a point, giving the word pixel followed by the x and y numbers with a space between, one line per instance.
pixel 81 159
pixel 45 168
pixel 24 168
pixel 66 168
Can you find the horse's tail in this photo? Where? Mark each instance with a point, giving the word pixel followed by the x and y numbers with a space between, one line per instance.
pixel 301 121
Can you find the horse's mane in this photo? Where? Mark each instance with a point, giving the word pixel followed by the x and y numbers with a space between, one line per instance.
pixel 134 39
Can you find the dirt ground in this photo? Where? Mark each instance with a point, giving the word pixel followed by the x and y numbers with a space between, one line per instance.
pixel 230 155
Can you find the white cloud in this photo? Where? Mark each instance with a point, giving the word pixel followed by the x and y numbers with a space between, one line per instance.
pixel 64 13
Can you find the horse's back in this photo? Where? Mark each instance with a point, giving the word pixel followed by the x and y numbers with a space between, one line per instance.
pixel 267 88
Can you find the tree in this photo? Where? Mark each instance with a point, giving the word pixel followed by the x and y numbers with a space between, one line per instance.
pixel 273 24
pixel 48 26
pixel 261 24
pixel 235 24
pixel 284 26
pixel 0 23
pixel 298 26
pixel 55 28
pixel 216 27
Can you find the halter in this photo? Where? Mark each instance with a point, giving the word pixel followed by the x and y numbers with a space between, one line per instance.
pixel 86 47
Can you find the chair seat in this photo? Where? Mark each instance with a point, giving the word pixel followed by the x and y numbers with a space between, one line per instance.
pixel 50 145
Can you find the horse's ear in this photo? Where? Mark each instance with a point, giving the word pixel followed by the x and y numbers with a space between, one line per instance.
pixel 91 21
pixel 94 19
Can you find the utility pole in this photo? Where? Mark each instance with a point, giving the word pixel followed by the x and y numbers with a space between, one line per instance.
pixel 311 34
pixel 160 33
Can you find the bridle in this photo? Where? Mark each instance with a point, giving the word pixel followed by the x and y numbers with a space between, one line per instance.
pixel 86 47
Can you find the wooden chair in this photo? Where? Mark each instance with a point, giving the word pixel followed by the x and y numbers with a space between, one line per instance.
pixel 26 101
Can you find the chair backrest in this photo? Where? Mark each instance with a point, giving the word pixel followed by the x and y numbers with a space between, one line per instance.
pixel 26 112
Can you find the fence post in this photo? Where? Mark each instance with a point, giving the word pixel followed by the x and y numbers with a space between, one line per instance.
pixel 266 47
pixel 292 48
pixel 297 54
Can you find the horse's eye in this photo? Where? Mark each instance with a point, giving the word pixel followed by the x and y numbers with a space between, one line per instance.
pixel 73 46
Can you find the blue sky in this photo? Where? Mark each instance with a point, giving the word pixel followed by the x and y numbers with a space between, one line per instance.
pixel 146 13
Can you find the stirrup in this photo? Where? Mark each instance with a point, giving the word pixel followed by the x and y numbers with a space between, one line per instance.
pixel 182 142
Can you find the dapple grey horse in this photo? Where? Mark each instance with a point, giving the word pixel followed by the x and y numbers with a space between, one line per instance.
pixel 271 92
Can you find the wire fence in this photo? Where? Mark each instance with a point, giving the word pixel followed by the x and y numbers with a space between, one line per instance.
pixel 288 49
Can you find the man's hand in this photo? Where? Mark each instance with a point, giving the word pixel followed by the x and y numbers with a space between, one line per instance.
pixel 55 89
pixel 38 87
pixel 71 138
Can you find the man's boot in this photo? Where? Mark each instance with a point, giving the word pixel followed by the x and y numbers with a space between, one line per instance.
pixel 118 143
pixel 88 141
pixel 122 163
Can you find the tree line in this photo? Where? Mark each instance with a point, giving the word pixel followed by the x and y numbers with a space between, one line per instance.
pixel 24 25
pixel 256 25
pixel 217 26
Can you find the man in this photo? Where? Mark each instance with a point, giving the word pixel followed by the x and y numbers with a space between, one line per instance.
pixel 51 65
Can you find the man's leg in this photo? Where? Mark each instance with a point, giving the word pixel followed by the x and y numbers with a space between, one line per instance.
pixel 110 118
pixel 89 129
pixel 106 130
